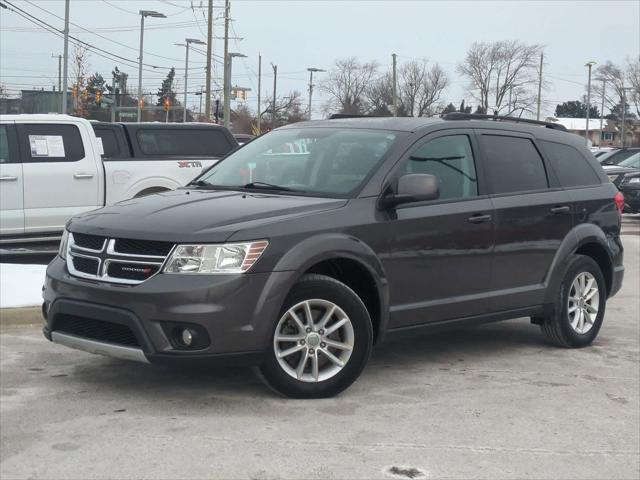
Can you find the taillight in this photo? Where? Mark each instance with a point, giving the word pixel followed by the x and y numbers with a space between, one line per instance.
pixel 619 199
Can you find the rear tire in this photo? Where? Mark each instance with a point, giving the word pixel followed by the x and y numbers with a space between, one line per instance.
pixel 320 357
pixel 580 305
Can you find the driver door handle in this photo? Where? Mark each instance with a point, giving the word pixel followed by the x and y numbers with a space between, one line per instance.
pixel 479 218
pixel 560 209
pixel 8 179
pixel 80 176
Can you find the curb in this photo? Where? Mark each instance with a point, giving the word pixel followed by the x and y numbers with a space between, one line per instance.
pixel 20 316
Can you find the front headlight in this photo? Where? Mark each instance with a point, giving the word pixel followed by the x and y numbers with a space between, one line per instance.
pixel 634 180
pixel 64 241
pixel 225 258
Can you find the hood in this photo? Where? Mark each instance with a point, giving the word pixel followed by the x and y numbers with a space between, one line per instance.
pixel 192 215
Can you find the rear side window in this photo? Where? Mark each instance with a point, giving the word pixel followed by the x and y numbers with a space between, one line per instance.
pixel 450 160
pixel 183 142
pixel 570 166
pixel 4 144
pixel 51 143
pixel 513 164
pixel 109 142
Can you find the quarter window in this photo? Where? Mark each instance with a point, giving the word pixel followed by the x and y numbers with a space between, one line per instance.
pixel 109 142
pixel 52 143
pixel 570 166
pixel 513 164
pixel 450 160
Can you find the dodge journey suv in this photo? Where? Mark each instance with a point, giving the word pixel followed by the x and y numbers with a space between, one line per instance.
pixel 301 250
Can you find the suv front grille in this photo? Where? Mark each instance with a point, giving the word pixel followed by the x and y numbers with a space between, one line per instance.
pixel 86 265
pixel 96 330
pixel 115 260
pixel 142 247
pixel 91 242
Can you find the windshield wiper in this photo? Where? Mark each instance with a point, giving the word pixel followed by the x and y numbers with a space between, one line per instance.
pixel 269 186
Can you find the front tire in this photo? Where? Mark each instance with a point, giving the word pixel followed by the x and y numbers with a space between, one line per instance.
pixel 320 342
pixel 580 305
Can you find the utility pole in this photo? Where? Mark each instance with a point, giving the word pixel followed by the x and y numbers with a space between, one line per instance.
pixel 273 110
pixel 259 90
pixel 66 57
pixel 624 111
pixel 604 86
pixel 207 103
pixel 311 70
pixel 395 82
pixel 539 86
pixel 59 57
pixel 589 65
pixel 226 109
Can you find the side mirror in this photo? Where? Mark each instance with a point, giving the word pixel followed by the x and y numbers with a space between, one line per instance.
pixel 414 187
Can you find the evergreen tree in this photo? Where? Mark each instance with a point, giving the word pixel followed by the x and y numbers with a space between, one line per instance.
pixel 167 89
pixel 576 109
pixel 449 109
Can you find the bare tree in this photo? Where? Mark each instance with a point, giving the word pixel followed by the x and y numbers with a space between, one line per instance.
pixel 614 78
pixel 633 80
pixel 288 110
pixel 80 67
pixel 501 71
pixel 346 84
pixel 379 96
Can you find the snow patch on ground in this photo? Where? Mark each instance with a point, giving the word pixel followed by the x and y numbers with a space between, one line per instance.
pixel 21 285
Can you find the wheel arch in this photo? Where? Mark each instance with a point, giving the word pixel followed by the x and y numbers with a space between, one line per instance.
pixel 349 260
pixel 584 239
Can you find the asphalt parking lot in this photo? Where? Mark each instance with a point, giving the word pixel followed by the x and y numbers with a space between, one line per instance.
pixel 489 402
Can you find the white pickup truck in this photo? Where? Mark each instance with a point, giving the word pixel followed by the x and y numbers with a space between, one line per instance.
pixel 53 167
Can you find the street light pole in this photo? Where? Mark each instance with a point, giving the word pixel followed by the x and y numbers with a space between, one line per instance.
pixel 186 73
pixel 589 65
pixel 143 14
pixel 227 86
pixel 311 70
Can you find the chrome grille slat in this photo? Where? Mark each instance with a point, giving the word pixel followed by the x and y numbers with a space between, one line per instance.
pixel 107 257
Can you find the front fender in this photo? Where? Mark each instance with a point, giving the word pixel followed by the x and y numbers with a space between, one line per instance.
pixel 311 251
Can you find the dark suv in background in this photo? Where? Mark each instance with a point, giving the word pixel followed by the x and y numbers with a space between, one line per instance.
pixel 301 250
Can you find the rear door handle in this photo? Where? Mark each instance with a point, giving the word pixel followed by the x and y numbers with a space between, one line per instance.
pixel 479 218
pixel 8 179
pixel 560 210
pixel 80 176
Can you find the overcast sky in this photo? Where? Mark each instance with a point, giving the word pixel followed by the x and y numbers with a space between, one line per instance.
pixel 297 34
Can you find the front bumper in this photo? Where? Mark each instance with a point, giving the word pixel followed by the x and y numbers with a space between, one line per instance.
pixel 237 312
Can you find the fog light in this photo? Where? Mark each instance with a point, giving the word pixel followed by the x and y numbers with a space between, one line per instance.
pixel 187 337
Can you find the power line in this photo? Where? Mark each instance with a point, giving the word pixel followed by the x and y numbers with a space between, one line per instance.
pixel 102 36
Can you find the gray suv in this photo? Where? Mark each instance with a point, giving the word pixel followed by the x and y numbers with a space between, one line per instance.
pixel 303 249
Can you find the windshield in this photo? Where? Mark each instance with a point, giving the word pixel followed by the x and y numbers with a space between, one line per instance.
pixel 632 162
pixel 316 161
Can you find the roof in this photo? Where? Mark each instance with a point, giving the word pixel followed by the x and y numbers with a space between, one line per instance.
pixel 576 124
pixel 41 117
pixel 404 124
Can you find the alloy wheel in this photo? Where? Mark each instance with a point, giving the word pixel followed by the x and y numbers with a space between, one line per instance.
pixel 583 302
pixel 313 340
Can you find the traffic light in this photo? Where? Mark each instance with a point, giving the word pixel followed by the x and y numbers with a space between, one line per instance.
pixel 166 103
pixel 98 96
pixel 85 94
pixel 74 91
pixel 141 102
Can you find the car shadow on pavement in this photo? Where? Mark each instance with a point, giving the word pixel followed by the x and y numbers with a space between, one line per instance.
pixel 419 352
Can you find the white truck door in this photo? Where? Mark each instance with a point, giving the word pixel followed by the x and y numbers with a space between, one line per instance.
pixel 61 176
pixel 11 183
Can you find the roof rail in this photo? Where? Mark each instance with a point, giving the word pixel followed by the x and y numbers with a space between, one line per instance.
pixel 477 116
pixel 337 116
